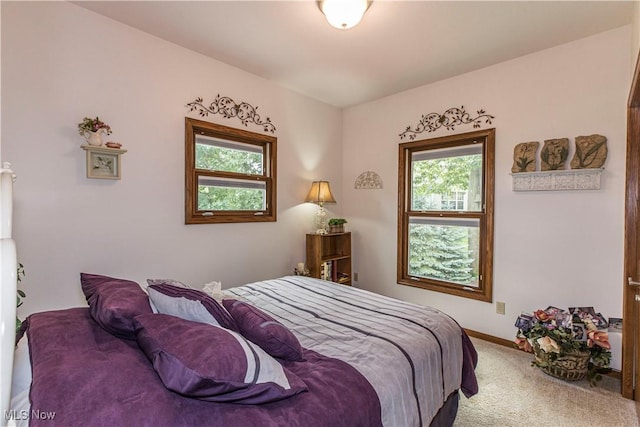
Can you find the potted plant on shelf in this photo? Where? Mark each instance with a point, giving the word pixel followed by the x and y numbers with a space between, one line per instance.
pixel 567 345
pixel 336 225
pixel 92 130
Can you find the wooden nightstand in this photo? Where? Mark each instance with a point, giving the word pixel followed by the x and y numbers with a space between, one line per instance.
pixel 329 257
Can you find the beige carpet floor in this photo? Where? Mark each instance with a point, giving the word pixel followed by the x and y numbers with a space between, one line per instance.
pixel 514 393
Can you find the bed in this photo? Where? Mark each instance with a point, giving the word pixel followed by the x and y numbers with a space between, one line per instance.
pixel 292 351
pixel 8 281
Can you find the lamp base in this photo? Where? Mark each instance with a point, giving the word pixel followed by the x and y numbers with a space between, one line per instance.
pixel 321 220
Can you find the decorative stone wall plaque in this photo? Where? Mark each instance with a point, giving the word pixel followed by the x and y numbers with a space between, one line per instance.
pixel 574 179
pixel 524 157
pixel 368 180
pixel 591 152
pixel 554 154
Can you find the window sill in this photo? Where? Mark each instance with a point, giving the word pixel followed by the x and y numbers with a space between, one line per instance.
pixel 435 286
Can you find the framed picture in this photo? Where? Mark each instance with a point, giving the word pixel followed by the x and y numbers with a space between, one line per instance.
pixel 582 310
pixel 579 332
pixel 600 321
pixel 554 310
pixel 564 319
pixel 615 324
pixel 103 163
pixel 524 322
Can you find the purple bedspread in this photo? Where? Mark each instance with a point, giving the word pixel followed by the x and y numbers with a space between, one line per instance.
pixel 88 377
pixel 469 362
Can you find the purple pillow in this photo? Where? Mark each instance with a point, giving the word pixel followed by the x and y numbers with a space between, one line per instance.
pixel 212 363
pixel 172 282
pixel 190 304
pixel 263 330
pixel 113 303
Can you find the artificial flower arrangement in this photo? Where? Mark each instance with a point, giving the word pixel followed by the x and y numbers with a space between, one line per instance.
pixel 20 293
pixel 93 125
pixel 555 334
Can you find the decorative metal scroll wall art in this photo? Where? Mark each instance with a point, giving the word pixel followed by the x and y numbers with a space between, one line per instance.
pixel 226 106
pixel 368 180
pixel 449 120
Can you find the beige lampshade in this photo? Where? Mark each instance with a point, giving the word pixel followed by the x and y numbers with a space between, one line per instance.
pixel 320 193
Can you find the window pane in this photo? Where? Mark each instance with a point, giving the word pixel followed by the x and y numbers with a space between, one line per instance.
pixel 447 179
pixel 220 194
pixel 219 155
pixel 444 249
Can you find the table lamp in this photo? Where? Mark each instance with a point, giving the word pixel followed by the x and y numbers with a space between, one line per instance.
pixel 320 193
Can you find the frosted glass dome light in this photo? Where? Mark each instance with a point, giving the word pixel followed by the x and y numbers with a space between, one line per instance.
pixel 343 14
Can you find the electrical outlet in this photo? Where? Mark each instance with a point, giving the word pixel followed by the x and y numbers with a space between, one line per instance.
pixel 500 307
pixel 355 277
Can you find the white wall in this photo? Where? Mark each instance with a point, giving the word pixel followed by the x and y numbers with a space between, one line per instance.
pixel 551 248
pixel 61 63
pixel 635 40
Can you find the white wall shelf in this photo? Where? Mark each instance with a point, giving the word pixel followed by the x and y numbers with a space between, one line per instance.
pixel 557 180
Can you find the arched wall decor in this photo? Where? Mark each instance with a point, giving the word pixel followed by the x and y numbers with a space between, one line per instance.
pixel 226 106
pixel 368 180
pixel 449 120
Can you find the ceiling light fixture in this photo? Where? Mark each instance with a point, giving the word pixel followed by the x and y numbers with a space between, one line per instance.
pixel 344 14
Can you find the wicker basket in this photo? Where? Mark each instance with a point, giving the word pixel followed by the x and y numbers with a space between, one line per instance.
pixel 571 366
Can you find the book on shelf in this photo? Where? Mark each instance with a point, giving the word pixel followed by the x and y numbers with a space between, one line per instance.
pixel 326 272
pixel 329 271
pixel 343 278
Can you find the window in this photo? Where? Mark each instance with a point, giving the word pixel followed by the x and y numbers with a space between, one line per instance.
pixel 454 201
pixel 230 174
pixel 445 214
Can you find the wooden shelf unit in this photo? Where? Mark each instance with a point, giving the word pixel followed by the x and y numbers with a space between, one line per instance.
pixel 329 257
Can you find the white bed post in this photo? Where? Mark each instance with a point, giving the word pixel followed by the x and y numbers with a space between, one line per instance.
pixel 8 283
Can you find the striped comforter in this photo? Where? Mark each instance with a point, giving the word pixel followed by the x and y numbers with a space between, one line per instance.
pixel 412 355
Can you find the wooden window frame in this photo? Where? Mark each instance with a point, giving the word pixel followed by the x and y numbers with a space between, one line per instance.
pixel 268 143
pixel 484 291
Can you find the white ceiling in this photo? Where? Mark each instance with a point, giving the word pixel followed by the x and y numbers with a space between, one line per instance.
pixel 399 45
